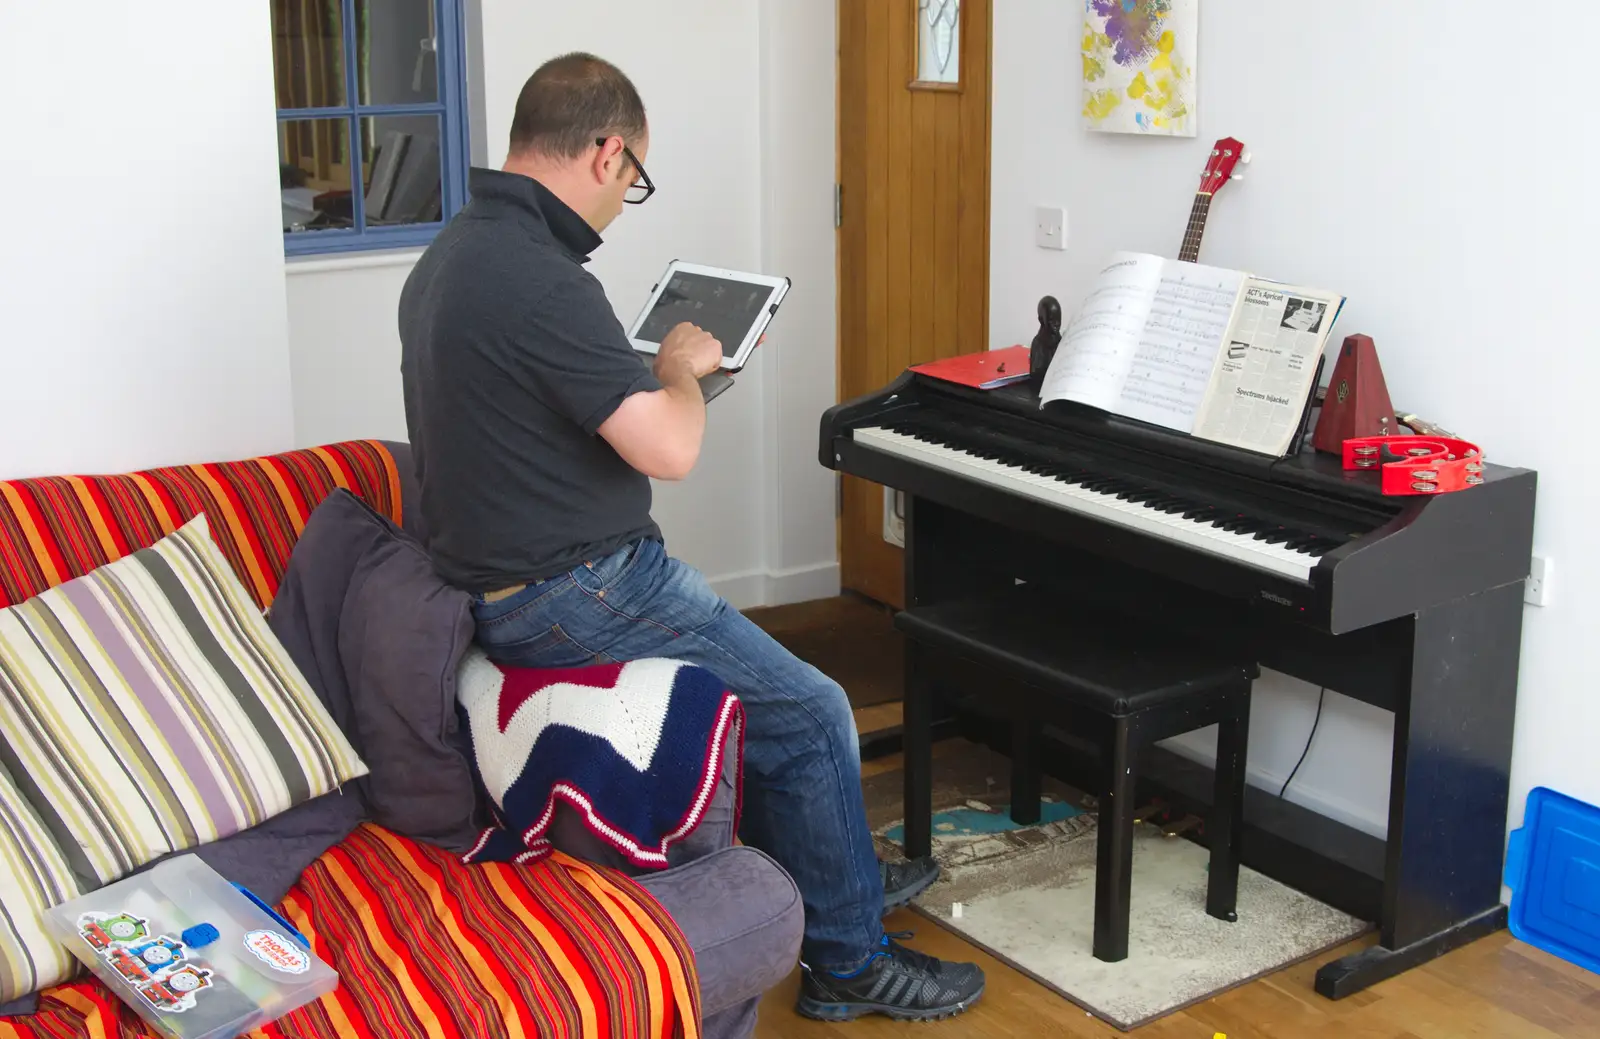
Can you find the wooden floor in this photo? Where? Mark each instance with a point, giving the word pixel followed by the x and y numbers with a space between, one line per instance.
pixel 1496 987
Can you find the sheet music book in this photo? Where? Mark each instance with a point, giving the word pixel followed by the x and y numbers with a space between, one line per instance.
pixel 1214 353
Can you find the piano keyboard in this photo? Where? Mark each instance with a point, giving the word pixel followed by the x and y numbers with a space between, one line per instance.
pixel 1119 501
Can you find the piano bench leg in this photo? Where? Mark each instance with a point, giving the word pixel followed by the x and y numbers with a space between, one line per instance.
pixel 1114 851
pixel 1026 777
pixel 1225 828
pixel 918 794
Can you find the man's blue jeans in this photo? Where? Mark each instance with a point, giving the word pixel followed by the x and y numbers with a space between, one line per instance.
pixel 802 790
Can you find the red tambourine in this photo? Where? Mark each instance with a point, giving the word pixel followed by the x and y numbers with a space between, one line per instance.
pixel 1417 464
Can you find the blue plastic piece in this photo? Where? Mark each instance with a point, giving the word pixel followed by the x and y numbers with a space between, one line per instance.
pixel 200 935
pixel 969 822
pixel 1553 870
pixel 287 926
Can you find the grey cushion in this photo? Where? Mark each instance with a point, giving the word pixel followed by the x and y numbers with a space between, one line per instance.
pixel 268 858
pixel 743 917
pixel 28 1004
pixel 385 636
pixel 739 910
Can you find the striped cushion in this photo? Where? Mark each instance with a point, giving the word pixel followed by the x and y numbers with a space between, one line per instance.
pixel 148 708
pixel 427 948
pixel 33 877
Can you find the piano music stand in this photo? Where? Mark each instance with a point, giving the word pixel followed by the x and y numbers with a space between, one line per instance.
pixel 1125 686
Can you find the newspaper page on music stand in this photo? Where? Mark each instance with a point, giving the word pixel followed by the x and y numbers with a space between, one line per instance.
pixel 1264 372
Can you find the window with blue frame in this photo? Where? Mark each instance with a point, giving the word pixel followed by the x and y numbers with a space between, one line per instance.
pixel 372 121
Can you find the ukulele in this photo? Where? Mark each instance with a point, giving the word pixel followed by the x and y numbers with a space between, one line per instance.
pixel 1225 155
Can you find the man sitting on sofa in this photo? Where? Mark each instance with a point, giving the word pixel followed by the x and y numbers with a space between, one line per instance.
pixel 536 430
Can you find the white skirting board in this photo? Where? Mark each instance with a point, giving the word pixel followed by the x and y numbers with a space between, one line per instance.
pixel 754 588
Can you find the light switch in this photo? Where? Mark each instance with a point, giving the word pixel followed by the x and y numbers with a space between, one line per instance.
pixel 1050 227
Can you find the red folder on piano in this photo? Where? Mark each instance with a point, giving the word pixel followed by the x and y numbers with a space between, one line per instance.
pixel 984 370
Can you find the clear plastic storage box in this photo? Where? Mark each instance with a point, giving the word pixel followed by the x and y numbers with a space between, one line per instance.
pixel 197 957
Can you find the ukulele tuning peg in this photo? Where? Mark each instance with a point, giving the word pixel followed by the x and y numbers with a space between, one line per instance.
pixel 1244 156
pixel 1237 176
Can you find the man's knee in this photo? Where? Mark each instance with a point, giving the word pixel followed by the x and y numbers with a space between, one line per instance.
pixel 828 703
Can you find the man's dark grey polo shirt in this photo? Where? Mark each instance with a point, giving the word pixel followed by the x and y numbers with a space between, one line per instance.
pixel 511 358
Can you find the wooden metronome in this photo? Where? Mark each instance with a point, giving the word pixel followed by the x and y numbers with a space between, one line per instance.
pixel 1357 403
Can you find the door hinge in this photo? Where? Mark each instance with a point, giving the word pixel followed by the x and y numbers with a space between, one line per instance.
pixel 838 205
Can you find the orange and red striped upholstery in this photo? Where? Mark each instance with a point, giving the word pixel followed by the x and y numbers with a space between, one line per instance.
pixel 425 946
pixel 55 528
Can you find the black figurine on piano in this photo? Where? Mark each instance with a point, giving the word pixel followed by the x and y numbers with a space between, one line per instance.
pixel 1045 342
pixel 1412 604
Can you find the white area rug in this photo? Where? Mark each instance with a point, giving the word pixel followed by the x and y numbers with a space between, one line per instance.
pixel 1027 896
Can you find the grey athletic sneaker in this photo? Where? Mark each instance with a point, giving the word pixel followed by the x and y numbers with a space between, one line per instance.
pixel 903 881
pixel 897 982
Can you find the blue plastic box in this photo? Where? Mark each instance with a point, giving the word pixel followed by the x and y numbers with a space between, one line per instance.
pixel 1553 870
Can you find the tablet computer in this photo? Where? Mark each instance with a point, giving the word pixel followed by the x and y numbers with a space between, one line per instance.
pixel 734 306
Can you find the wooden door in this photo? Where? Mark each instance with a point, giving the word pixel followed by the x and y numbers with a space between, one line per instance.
pixel 913 222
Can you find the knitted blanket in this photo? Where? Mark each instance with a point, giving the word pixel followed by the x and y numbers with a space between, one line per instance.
pixel 635 748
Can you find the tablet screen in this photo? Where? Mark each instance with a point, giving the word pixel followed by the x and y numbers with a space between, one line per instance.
pixel 722 306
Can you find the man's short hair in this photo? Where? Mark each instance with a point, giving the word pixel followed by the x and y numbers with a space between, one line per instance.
pixel 571 101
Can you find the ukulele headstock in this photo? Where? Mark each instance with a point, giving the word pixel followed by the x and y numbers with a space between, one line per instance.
pixel 1226 154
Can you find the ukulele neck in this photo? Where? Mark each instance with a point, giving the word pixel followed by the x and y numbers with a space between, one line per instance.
pixel 1190 253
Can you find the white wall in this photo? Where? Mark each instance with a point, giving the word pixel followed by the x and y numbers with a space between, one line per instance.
pixel 344 347
pixel 799 51
pixel 1399 159
pixel 739 98
pixel 142 285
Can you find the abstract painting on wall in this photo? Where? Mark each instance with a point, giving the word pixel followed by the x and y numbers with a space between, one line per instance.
pixel 1139 66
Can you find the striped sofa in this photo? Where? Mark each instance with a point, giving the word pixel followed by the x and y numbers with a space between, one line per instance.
pixel 425 946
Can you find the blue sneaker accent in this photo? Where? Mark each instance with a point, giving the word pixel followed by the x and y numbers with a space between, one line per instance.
pixel 882 942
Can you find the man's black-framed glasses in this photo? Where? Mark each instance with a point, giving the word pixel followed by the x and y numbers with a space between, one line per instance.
pixel 639 190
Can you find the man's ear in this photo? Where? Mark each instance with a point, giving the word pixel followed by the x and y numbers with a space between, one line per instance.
pixel 608 154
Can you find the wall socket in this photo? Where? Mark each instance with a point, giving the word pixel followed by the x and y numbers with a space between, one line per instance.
pixel 1050 227
pixel 894 517
pixel 1536 591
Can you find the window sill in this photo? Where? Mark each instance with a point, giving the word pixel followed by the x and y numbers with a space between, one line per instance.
pixel 351 261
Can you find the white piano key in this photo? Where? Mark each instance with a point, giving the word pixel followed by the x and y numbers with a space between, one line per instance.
pixel 1108 508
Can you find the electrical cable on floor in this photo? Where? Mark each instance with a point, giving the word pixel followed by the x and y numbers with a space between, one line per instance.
pixel 1321 696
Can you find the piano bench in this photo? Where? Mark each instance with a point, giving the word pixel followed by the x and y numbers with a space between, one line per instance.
pixel 1121 684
